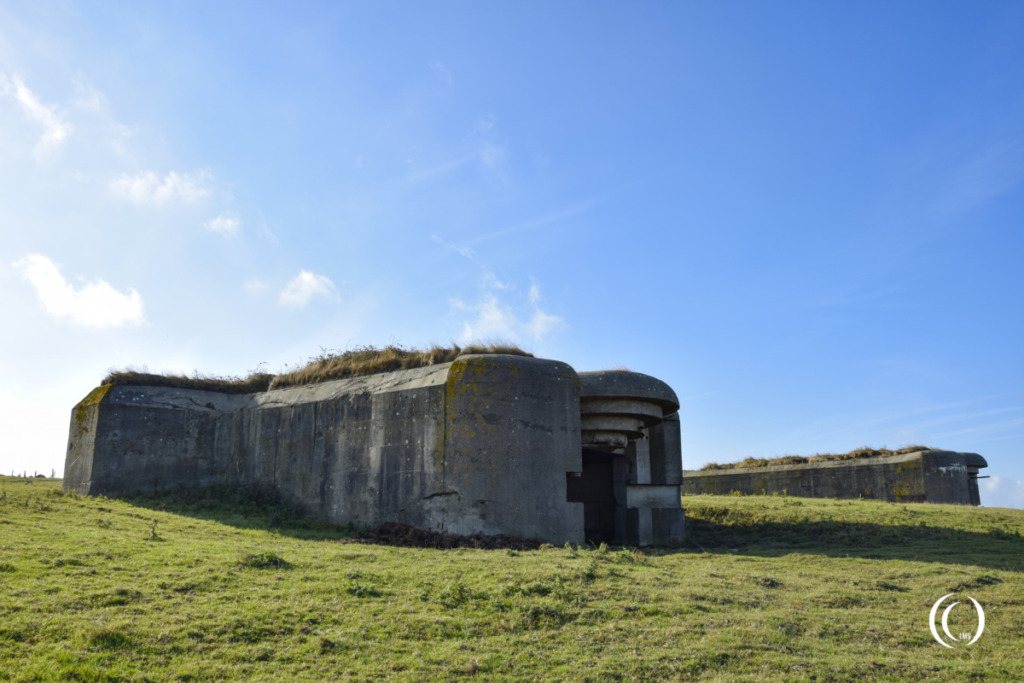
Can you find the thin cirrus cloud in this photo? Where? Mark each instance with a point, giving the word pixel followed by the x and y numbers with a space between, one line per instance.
pixel 303 287
pixel 146 187
pixel 96 304
pixel 224 225
pixel 55 128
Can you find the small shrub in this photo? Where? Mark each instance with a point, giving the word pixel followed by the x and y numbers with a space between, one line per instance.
pixel 362 590
pixel 265 560
pixel 457 593
pixel 631 556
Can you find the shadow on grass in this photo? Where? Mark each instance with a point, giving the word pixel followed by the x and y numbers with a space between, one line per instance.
pixel 710 529
pixel 241 507
pixel 995 549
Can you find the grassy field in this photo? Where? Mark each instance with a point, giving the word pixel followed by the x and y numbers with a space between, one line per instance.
pixel 769 588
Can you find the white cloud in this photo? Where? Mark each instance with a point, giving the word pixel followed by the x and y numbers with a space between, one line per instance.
pixel 494 319
pixel 491 281
pixel 55 128
pixel 147 187
pixel 225 225
pixel 542 323
pixel 993 483
pixel 534 293
pixel 90 99
pixel 304 287
pixel 96 304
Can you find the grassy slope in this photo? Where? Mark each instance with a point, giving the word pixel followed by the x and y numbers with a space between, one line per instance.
pixel 786 588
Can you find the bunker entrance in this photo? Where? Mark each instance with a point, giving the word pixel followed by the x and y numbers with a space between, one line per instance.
pixel 604 502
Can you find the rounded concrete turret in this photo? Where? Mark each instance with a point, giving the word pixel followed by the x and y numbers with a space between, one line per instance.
pixel 616 406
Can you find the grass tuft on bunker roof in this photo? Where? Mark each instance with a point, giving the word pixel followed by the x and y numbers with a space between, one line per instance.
pixel 251 384
pixel 328 365
pixel 865 452
pixel 370 360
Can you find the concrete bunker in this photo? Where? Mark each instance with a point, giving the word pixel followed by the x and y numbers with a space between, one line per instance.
pixel 919 476
pixel 629 482
pixel 492 444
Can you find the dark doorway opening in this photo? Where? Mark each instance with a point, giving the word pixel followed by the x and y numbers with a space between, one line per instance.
pixel 595 488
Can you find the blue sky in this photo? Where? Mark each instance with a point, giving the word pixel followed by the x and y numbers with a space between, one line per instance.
pixel 808 218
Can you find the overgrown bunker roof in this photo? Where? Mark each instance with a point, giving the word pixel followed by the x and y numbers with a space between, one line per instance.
pixel 364 360
pixel 865 452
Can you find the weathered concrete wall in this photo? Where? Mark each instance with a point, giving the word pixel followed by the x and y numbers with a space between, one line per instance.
pixel 482 444
pixel 512 433
pixel 925 476
pixel 130 439
pixel 632 462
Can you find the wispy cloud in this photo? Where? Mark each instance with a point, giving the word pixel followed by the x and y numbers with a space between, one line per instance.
pixel 224 225
pixel 540 221
pixel 492 156
pixel 443 70
pixel 465 252
pixel 438 170
pixel 54 125
pixel 485 125
pixel 500 313
pixel 96 304
pixel 303 287
pixel 987 174
pixel 146 187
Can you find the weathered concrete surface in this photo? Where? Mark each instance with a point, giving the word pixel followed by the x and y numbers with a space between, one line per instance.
pixel 512 433
pixel 632 462
pixel 925 476
pixel 491 444
pixel 479 445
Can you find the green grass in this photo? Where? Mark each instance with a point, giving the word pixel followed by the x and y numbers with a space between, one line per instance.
pixel 363 360
pixel 224 587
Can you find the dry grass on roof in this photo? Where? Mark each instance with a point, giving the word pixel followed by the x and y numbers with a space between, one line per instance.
pixel 254 383
pixel 369 360
pixel 865 452
pixel 364 360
